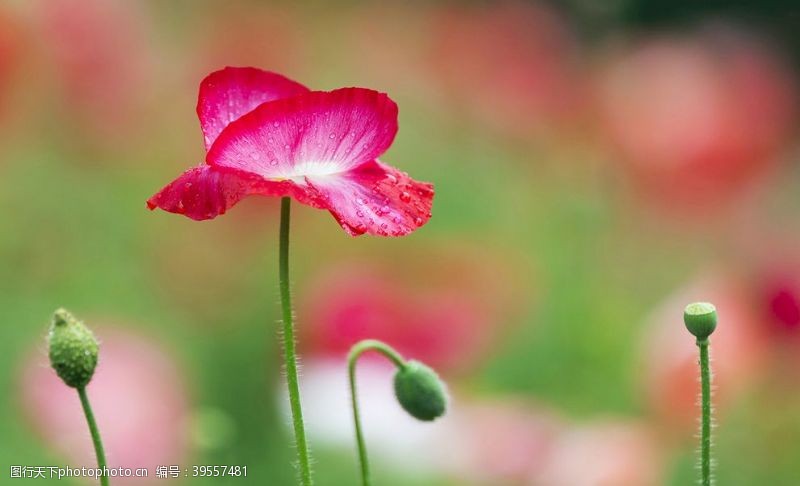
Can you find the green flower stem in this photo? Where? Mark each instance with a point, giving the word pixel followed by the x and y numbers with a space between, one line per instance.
pixel 705 400
pixel 355 353
pixel 289 348
pixel 98 443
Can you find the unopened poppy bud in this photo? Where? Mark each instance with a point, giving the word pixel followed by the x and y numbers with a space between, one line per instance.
pixel 73 349
pixel 420 391
pixel 700 319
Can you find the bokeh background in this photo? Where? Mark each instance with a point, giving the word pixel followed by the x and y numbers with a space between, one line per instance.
pixel 598 165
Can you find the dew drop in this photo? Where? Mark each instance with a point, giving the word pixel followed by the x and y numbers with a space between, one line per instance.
pixel 405 197
pixel 273 162
pixel 360 213
pixel 418 221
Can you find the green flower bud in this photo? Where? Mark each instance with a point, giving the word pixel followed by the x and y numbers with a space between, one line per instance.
pixel 420 391
pixel 700 319
pixel 73 349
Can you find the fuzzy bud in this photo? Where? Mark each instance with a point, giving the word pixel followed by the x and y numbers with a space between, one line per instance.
pixel 700 319
pixel 73 349
pixel 420 391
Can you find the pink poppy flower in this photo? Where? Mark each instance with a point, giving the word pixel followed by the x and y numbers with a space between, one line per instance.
pixel 139 398
pixel 268 135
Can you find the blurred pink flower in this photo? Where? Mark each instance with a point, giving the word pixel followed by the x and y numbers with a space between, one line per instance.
pixel 696 119
pixel 513 65
pixel 393 56
pixel 670 354
pixel 499 441
pixel 139 400
pixel 99 56
pixel 613 453
pixel 10 53
pixel 248 34
pixel 449 319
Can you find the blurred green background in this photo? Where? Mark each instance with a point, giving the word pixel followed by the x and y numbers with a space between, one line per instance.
pixel 597 166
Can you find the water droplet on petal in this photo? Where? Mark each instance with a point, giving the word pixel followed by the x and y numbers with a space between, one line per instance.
pixel 273 162
pixel 360 213
pixel 405 197
pixel 418 221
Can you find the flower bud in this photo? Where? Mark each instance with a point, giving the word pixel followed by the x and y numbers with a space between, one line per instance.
pixel 700 319
pixel 420 391
pixel 73 349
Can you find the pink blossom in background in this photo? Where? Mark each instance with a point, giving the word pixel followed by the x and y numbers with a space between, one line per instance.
pixel 605 453
pixel 392 55
pixel 268 135
pixel 97 51
pixel 10 54
pixel 236 34
pixel 513 65
pixel 670 355
pixel 451 320
pixel 139 399
pixel 696 119
pixel 499 441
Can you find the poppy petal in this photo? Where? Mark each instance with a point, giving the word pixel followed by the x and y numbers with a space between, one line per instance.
pixel 376 199
pixel 315 134
pixel 205 192
pixel 229 93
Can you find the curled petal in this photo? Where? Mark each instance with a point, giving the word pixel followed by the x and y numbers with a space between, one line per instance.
pixel 205 192
pixel 376 199
pixel 229 93
pixel 315 134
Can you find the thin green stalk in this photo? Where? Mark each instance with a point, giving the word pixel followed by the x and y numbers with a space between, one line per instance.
pixel 705 400
pixel 289 350
pixel 98 443
pixel 355 353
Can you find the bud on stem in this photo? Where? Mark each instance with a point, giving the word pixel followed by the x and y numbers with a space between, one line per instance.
pixel 418 389
pixel 73 349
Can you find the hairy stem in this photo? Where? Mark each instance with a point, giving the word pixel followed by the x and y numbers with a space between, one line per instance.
pixel 355 353
pixel 98 443
pixel 705 401
pixel 290 354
